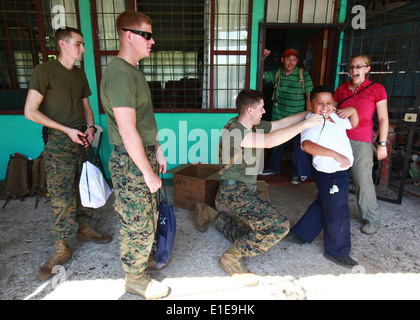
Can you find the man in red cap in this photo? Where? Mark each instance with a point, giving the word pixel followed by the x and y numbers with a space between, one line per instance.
pixel 292 87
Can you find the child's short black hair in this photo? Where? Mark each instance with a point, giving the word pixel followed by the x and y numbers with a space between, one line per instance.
pixel 320 89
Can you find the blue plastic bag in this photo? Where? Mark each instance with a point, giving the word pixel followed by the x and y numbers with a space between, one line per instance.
pixel 165 233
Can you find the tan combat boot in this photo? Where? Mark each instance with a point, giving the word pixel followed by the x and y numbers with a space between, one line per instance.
pixel 145 287
pixel 231 262
pixel 87 233
pixel 203 215
pixel 61 255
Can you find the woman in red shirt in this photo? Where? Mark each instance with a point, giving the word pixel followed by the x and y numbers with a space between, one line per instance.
pixel 367 97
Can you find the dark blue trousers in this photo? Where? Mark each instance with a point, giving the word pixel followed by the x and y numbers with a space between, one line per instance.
pixel 329 212
pixel 277 156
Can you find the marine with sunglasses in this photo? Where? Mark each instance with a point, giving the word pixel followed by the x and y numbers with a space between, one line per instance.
pixel 137 156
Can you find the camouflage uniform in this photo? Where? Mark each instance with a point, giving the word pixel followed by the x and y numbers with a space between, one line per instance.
pixel 124 85
pixel 63 162
pixel 137 209
pixel 252 224
pixel 63 91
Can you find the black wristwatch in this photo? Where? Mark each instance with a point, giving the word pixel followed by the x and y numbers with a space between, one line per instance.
pixel 93 128
pixel 383 143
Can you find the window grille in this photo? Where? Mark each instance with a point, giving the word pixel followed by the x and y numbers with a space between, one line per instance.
pixel 200 57
pixel 391 39
pixel 300 11
pixel 105 37
pixel 201 52
pixel 27 39
pixel 203 67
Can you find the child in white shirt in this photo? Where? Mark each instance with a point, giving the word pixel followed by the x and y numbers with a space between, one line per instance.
pixel 332 157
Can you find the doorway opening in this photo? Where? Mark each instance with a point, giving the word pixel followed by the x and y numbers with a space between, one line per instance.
pixel 315 45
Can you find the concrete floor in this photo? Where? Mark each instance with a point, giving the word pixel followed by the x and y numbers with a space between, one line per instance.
pixel 389 260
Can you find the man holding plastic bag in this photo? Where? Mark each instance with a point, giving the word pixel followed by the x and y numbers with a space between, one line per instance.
pixel 58 99
pixel 94 190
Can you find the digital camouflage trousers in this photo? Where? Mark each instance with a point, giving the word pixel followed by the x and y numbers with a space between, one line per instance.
pixel 63 163
pixel 136 208
pixel 254 225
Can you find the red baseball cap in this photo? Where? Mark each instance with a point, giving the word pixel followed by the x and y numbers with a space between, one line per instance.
pixel 291 52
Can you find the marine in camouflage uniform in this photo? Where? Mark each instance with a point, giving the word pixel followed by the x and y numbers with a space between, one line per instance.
pixel 134 202
pixel 127 101
pixel 58 99
pixel 251 223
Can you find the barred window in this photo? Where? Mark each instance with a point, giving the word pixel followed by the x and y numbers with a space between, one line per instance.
pixel 391 40
pixel 26 39
pixel 105 37
pixel 199 60
pixel 308 11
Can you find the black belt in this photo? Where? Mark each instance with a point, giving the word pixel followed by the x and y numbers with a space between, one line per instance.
pixel 122 149
pixel 224 182
pixel 80 128
pixel 59 132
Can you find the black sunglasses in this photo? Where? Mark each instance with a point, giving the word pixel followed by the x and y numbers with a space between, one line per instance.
pixel 144 34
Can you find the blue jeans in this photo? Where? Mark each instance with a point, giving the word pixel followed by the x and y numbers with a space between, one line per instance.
pixel 329 212
pixel 277 155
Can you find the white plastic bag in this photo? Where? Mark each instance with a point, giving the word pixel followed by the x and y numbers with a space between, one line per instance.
pixel 93 188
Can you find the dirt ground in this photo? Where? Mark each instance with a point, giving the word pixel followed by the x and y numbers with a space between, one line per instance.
pixel 388 261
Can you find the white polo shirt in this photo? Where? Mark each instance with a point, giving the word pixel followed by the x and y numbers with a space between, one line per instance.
pixel 333 137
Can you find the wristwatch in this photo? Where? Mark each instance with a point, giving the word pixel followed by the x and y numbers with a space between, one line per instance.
pixel 93 128
pixel 383 143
